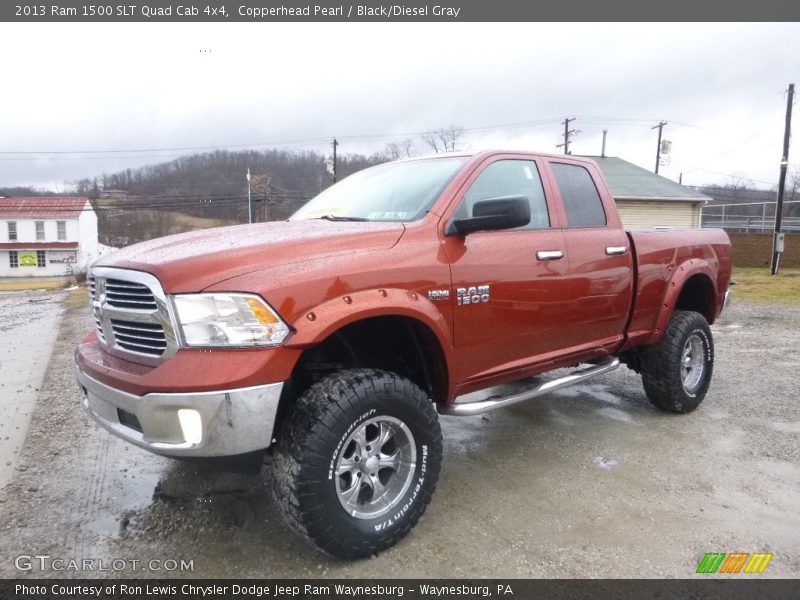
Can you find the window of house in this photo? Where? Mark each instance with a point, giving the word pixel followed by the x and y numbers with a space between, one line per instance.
pixel 581 200
pixel 40 258
pixel 39 231
pixel 509 178
pixel 13 259
pixel 61 226
pixel 12 231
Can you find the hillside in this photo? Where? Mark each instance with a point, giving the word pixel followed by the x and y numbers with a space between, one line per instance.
pixel 202 190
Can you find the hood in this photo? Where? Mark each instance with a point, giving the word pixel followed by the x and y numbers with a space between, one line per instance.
pixel 190 262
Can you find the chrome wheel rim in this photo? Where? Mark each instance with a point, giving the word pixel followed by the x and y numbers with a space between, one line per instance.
pixel 693 363
pixel 375 467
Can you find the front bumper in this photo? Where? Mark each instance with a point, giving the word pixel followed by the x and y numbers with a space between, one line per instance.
pixel 200 424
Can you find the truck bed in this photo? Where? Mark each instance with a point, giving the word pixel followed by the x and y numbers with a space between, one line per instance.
pixel 661 258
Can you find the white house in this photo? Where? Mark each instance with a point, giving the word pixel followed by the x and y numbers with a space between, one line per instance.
pixel 46 236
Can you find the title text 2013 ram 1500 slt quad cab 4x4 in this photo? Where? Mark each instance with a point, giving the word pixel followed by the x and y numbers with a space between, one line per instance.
pixel 336 337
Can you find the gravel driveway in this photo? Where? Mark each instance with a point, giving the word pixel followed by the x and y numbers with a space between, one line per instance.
pixel 588 482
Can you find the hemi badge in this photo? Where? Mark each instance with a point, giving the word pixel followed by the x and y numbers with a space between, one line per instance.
pixel 438 294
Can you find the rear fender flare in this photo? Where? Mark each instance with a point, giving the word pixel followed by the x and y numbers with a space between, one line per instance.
pixel 681 274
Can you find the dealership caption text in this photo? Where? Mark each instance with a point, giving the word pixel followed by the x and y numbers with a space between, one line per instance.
pixel 269 590
pixel 158 590
pixel 148 11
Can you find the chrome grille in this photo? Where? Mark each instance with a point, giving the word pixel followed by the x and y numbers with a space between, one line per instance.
pixel 132 315
pixel 126 294
pixel 147 338
pixel 99 328
pixel 97 324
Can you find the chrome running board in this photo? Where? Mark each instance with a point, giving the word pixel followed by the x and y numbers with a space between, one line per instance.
pixel 467 409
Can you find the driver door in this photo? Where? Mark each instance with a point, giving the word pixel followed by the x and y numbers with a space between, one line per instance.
pixel 511 288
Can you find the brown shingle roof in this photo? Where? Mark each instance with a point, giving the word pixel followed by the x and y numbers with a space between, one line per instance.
pixel 46 207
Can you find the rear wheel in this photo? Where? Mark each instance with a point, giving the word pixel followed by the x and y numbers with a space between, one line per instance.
pixel 357 461
pixel 676 372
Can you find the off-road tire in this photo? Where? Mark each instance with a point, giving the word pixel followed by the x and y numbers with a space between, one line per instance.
pixel 312 446
pixel 664 371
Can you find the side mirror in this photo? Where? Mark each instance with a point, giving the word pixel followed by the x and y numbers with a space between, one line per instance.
pixel 504 212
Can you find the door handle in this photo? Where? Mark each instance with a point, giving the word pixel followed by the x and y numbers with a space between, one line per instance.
pixel 549 254
pixel 616 250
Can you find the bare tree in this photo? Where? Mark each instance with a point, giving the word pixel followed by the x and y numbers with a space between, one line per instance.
pixel 450 136
pixel 793 189
pixel 445 139
pixel 407 147
pixel 432 141
pixel 260 193
pixel 392 151
pixel 739 186
pixel 793 193
pixel 402 149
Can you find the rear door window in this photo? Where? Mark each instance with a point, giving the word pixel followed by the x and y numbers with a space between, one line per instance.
pixel 582 202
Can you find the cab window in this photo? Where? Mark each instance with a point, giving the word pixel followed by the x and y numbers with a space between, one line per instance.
pixel 582 203
pixel 509 178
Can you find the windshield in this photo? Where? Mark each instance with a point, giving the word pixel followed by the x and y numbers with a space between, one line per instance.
pixel 398 191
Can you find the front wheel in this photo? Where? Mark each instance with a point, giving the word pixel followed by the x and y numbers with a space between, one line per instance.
pixel 676 371
pixel 357 461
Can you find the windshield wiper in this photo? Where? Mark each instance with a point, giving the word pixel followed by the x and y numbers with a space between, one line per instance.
pixel 338 218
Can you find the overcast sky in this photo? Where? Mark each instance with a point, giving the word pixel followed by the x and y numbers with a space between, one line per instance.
pixel 154 86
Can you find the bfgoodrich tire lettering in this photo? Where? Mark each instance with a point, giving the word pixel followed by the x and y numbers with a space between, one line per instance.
pixel 357 461
pixel 676 372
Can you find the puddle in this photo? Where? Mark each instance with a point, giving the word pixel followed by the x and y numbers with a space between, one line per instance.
pixel 730 328
pixel 595 391
pixel 605 463
pixel 108 526
pixel 784 427
pixel 233 507
pixel 616 414
pixel 561 418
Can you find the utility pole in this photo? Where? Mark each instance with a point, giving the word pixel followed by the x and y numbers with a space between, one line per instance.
pixel 335 144
pixel 660 127
pixel 568 133
pixel 777 238
pixel 249 200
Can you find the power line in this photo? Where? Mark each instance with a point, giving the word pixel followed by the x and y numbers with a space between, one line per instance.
pixel 139 152
pixel 731 149
pixel 175 149
pixel 735 176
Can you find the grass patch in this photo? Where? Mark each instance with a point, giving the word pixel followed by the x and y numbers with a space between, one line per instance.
pixel 35 283
pixel 757 285
pixel 78 297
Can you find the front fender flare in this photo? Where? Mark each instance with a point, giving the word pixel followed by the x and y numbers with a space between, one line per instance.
pixel 317 324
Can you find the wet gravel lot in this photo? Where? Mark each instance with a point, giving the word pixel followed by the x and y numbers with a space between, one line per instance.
pixel 23 317
pixel 588 482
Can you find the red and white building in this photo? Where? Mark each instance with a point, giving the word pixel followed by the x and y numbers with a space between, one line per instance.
pixel 49 236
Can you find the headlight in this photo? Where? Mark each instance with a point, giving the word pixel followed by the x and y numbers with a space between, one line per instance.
pixel 228 320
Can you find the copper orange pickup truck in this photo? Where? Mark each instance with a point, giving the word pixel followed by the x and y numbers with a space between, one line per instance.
pixel 335 339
